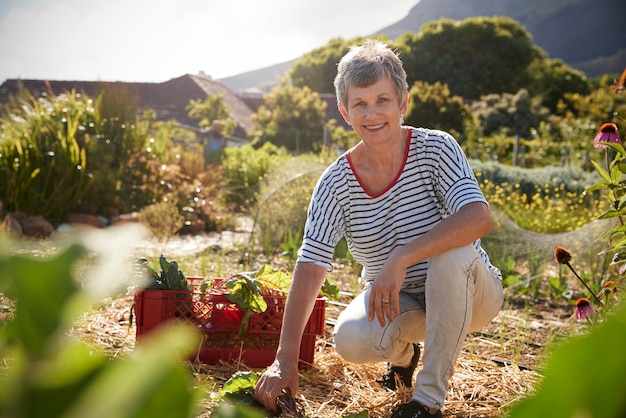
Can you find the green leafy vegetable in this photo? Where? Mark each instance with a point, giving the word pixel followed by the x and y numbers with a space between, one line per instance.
pixel 240 383
pixel 246 293
pixel 273 278
pixel 238 398
pixel 170 278
pixel 330 290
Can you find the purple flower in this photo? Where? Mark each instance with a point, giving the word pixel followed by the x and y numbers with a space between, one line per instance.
pixel 563 256
pixel 610 287
pixel 608 133
pixel 584 309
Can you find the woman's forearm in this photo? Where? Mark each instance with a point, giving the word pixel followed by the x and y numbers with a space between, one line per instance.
pixel 464 227
pixel 305 287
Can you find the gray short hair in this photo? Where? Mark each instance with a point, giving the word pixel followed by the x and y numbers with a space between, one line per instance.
pixel 365 65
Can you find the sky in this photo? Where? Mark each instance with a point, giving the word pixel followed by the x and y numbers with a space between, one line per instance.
pixel 157 40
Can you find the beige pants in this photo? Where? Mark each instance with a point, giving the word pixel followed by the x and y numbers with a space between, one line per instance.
pixel 461 296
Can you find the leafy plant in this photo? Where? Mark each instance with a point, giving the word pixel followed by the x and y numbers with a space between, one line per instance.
pixel 248 290
pixel 245 291
pixel 581 382
pixel 569 388
pixel 43 160
pixel 46 372
pixel 245 166
pixel 170 277
pixel 330 289
pixel 163 219
pixel 200 196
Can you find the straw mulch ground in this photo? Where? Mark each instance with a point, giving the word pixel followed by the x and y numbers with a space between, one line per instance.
pixel 498 365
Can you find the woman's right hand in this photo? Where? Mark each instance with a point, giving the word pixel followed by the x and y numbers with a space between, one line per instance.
pixel 282 375
pixel 278 378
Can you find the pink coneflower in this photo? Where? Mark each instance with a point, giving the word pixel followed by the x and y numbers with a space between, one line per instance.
pixel 584 309
pixel 607 288
pixel 608 133
pixel 563 256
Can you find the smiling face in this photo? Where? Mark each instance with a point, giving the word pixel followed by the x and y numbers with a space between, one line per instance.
pixel 375 111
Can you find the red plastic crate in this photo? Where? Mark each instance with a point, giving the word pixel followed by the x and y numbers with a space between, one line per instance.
pixel 220 321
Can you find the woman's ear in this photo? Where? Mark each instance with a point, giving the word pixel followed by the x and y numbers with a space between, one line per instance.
pixel 344 113
pixel 405 103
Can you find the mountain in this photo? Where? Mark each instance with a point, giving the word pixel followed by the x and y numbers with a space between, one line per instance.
pixel 576 31
pixel 589 35
pixel 258 80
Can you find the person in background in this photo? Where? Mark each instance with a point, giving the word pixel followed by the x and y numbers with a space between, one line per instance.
pixel 214 142
pixel 412 213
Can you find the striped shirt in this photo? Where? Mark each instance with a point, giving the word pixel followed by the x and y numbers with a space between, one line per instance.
pixel 435 182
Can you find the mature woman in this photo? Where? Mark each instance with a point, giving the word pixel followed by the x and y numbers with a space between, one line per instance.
pixel 412 213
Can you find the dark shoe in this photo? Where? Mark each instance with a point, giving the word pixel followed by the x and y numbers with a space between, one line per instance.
pixel 413 409
pixel 402 374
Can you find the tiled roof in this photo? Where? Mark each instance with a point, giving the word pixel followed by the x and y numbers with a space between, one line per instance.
pixel 167 99
pixel 239 110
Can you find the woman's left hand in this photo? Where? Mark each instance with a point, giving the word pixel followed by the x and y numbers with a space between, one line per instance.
pixel 384 300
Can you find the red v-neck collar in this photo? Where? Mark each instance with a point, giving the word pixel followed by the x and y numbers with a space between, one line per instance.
pixel 398 174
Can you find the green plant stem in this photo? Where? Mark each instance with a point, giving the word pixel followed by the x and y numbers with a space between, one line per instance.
pixel 584 284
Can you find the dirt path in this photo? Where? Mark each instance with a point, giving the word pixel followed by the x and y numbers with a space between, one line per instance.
pixel 189 245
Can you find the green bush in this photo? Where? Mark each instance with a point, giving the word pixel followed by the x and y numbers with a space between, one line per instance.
pixel 70 153
pixel 43 162
pixel 66 153
pixel 164 219
pixel 120 156
pixel 549 178
pixel 244 167
pixel 281 210
pixel 199 195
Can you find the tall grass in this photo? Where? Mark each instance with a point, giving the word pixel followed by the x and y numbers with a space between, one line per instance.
pixel 43 167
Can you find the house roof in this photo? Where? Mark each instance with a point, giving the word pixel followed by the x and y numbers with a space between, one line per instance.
pixel 168 99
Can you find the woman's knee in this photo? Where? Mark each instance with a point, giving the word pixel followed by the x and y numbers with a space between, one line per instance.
pixel 357 339
pixel 460 258
pixel 347 340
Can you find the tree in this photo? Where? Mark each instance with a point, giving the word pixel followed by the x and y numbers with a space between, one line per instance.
pixel 211 109
pixel 432 106
pixel 318 68
pixel 601 105
pixel 513 114
pixel 475 56
pixel 292 117
pixel 552 79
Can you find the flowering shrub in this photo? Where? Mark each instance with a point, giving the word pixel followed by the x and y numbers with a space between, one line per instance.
pixel 614 188
pixel 600 393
